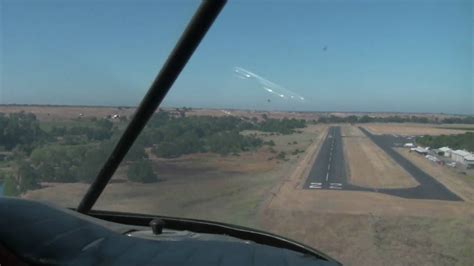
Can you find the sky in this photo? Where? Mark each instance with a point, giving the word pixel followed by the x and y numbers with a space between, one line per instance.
pixel 374 56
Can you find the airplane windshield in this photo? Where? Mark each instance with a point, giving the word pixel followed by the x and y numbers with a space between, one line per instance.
pixel 344 125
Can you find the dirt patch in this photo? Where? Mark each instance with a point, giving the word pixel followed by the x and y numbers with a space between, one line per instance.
pixel 411 129
pixel 369 166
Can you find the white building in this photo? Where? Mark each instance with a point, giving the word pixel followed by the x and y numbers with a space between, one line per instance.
pixel 469 161
pixel 446 151
pixel 461 155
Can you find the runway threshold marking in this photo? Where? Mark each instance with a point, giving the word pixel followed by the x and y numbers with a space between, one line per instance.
pixel 315 185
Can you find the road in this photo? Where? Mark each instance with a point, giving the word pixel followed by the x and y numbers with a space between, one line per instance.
pixel 328 170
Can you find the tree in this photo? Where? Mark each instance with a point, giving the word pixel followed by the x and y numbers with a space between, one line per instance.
pixel 142 172
pixel 10 186
pixel 104 123
pixel 270 143
pixel 25 178
pixel 92 162
pixel 46 172
pixel 459 141
pixel 20 129
pixel 352 119
pixel 58 163
pixel 281 155
pixel 365 119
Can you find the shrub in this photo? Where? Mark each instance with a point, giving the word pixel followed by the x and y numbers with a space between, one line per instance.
pixel 142 172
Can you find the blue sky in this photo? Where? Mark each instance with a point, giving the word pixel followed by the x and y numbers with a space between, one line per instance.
pixel 402 56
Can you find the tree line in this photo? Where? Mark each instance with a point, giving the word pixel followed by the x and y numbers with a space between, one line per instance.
pixel 172 137
pixel 460 141
pixel 20 130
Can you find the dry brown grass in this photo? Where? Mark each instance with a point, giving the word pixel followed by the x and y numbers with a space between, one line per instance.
pixel 410 129
pixel 207 186
pixel 371 239
pixel 368 228
pixel 250 114
pixel 219 196
pixel 370 166
pixel 51 113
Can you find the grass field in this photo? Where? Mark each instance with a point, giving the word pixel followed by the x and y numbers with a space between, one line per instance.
pixel 457 126
pixel 206 186
pixel 59 113
pixel 369 166
pixel 409 129
pixel 371 239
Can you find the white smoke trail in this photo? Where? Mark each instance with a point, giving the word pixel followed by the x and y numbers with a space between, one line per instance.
pixel 267 85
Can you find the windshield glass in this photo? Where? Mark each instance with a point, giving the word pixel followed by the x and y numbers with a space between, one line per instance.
pixel 344 125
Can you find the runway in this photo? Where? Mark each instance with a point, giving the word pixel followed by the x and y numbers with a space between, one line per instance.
pixel 329 171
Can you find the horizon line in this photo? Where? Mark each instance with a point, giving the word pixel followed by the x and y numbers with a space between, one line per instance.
pixel 240 109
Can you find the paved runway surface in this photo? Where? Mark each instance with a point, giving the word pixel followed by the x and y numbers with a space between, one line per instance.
pixel 329 172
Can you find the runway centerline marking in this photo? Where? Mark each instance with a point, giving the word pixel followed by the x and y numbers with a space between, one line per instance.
pixel 330 150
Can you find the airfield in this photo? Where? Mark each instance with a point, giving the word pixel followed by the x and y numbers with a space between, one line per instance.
pixel 329 171
pixel 361 195
pixel 351 191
